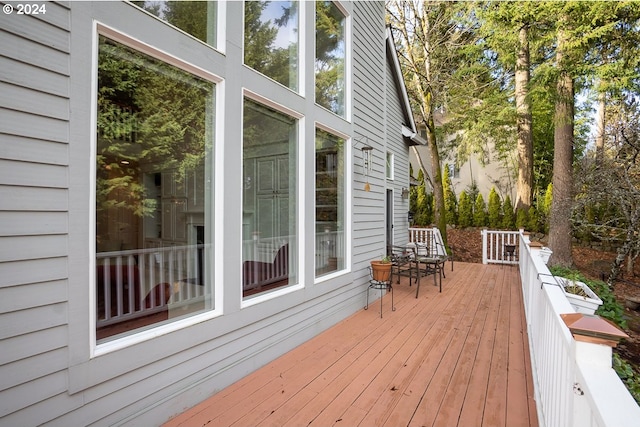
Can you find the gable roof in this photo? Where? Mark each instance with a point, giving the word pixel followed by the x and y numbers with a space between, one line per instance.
pixel 409 130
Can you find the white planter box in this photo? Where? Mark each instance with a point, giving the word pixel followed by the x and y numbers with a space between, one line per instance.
pixel 545 253
pixel 585 305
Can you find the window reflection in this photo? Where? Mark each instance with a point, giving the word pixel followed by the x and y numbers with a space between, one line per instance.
pixel 153 202
pixel 271 40
pixel 197 18
pixel 330 57
pixel 330 188
pixel 269 155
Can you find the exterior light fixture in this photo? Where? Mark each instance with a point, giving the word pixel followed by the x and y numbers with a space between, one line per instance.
pixel 366 162
pixel 405 193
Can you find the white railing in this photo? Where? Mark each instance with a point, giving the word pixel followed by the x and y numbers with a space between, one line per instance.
pixel 500 247
pixel 574 382
pixel 136 283
pixel 430 238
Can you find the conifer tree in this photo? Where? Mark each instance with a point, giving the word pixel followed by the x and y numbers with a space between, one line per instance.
pixel 508 219
pixel 450 203
pixel 480 212
pixel 495 208
pixel 465 210
pixel 522 219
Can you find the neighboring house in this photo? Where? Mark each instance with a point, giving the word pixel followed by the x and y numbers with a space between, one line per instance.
pixel 486 172
pixel 180 204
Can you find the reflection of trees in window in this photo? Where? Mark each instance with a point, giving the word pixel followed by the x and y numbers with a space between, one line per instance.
pixel 152 118
pixel 330 57
pixel 197 18
pixel 271 40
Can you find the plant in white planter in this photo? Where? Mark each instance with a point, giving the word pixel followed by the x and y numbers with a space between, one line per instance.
pixel 580 296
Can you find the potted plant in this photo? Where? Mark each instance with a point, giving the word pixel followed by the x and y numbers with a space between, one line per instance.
pixel 381 269
pixel 580 296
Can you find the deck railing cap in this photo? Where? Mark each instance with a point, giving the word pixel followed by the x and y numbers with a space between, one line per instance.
pixel 593 328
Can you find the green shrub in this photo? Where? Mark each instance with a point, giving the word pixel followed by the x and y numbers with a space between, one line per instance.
pixel 495 209
pixel 465 210
pixel 533 223
pixel 628 375
pixel 450 202
pixel 522 219
pixel 479 212
pixel 508 220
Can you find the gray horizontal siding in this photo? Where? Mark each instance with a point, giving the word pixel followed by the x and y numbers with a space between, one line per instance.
pixel 35 319
pixel 14 147
pixel 17 248
pixel 368 117
pixel 35 102
pixel 48 29
pixel 36 366
pixel 33 77
pixel 34 53
pixel 396 144
pixel 14 198
pixel 23 297
pixel 24 346
pixel 33 174
pixel 33 271
pixel 33 126
pixel 24 395
pixel 33 223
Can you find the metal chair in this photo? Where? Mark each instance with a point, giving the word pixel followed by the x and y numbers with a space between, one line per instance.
pixel 403 262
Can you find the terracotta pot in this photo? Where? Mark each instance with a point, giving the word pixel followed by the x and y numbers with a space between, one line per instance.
pixel 381 271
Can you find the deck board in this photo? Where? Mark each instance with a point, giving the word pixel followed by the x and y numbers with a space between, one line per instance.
pixel 456 358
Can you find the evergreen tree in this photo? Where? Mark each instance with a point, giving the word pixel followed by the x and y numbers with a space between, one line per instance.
pixel 522 219
pixel 450 203
pixel 480 212
pixel 495 208
pixel 508 220
pixel 465 210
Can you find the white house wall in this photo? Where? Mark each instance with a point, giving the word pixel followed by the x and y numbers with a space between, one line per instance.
pixel 50 372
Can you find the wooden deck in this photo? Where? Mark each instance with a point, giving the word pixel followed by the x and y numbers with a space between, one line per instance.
pixel 456 358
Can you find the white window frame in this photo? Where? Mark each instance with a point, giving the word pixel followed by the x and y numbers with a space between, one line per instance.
pixel 216 291
pixel 300 119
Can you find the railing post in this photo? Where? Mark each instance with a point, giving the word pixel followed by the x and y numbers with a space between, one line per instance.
pixel 484 246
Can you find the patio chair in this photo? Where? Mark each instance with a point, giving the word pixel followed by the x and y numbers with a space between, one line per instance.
pixel 403 262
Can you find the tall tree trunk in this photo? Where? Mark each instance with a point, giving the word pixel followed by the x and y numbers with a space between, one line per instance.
pixel 600 124
pixel 524 197
pixel 560 235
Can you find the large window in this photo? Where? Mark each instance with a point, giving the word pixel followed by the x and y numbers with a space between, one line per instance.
pixel 197 18
pixel 153 192
pixel 271 40
pixel 269 235
pixel 330 209
pixel 330 57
